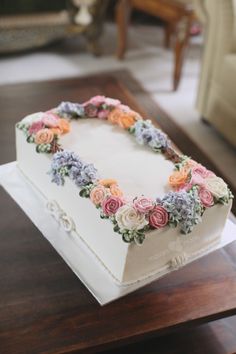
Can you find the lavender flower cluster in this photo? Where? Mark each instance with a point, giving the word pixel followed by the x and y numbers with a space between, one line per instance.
pixel 70 110
pixel 184 208
pixel 146 134
pixel 66 163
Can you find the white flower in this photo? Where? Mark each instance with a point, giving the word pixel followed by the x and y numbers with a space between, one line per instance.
pixel 130 219
pixel 67 223
pixel 31 118
pixel 216 186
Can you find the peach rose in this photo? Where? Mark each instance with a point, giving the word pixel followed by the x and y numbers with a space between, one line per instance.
pixel 126 120
pixel 98 194
pixel 44 136
pixel 64 125
pixel 114 116
pixel 115 190
pixel 56 131
pixel 179 178
pixel 108 182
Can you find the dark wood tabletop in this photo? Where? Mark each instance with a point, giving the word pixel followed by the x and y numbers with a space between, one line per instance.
pixel 44 308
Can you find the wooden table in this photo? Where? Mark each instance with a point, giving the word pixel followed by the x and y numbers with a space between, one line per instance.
pixel 178 17
pixel 43 306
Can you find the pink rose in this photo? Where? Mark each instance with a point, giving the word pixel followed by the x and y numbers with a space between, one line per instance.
pixel 35 127
pixel 210 174
pixel 98 194
pixel 111 102
pixel 115 190
pixel 196 179
pixel 200 170
pixel 103 114
pixel 50 119
pixel 111 204
pixel 97 100
pixel 124 108
pixel 206 197
pixel 143 204
pixel 186 187
pixel 158 217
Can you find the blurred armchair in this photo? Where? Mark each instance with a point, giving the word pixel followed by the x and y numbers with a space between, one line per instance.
pixel 216 101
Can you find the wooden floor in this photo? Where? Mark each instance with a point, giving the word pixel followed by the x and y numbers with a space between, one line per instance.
pixel 218 337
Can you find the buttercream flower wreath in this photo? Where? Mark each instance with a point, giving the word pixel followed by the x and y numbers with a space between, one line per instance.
pixel 194 187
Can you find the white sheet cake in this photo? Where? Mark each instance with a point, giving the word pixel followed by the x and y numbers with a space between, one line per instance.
pixel 115 179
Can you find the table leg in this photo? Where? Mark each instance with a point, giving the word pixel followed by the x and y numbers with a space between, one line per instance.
pixel 182 39
pixel 123 11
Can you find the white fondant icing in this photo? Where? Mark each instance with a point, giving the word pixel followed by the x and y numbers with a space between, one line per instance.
pixel 178 261
pixel 138 171
pixel 116 154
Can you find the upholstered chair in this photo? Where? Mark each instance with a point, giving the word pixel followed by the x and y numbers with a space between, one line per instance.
pixel 216 101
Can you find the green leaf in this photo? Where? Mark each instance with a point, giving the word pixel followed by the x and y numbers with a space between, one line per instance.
pixel 173 223
pixel 131 130
pixel 116 228
pixel 83 193
pixel 126 238
pixel 139 238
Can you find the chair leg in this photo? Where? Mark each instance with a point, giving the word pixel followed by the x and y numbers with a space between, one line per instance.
pixel 168 32
pixel 182 39
pixel 123 12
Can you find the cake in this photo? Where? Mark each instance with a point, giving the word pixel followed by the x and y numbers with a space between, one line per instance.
pixel 116 182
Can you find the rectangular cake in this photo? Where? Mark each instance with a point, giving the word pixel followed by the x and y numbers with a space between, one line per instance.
pixel 115 181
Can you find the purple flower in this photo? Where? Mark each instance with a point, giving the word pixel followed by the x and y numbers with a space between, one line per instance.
pixel 57 178
pixel 64 163
pixel 70 109
pixel 87 175
pixel 147 134
pixel 184 208
pixel 66 159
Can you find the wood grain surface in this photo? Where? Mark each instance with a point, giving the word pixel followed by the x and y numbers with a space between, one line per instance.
pixel 43 306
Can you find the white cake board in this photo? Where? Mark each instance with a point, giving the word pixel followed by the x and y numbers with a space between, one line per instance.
pixel 79 258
